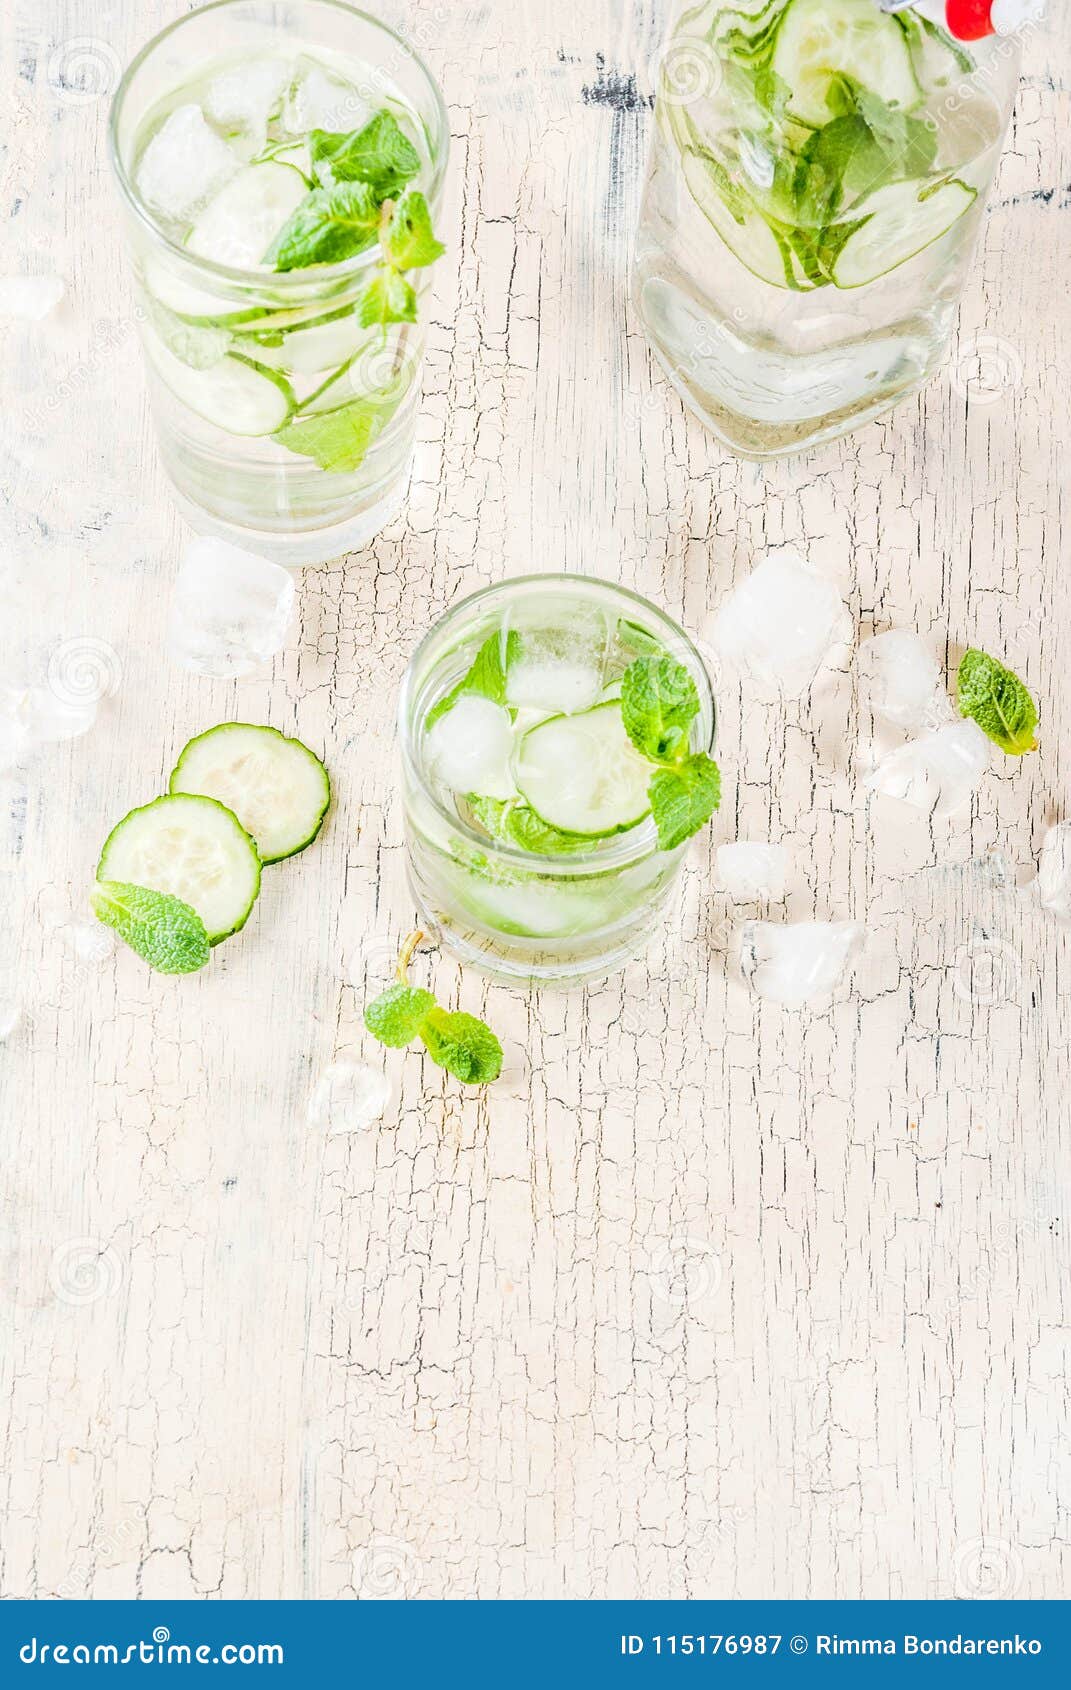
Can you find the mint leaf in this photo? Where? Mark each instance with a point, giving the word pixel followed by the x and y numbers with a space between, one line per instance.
pixel 659 701
pixel 338 440
pixel 998 701
pixel 683 798
pixel 463 1045
pixel 396 1016
pixel 168 933
pixel 388 298
pixel 410 241
pixel 380 154
pixel 514 822
pixel 330 224
pixel 486 676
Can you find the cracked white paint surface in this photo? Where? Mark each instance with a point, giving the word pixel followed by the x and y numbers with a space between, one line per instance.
pixel 704 1297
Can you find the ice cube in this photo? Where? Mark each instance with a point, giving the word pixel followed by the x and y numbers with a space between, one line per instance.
pixel 903 681
pixel 184 164
pixel 229 611
pixel 88 940
pixel 35 716
pixel 318 100
pixel 245 97
pixel 938 771
pixel 780 622
pixel 469 748
pixel 1054 872
pixel 348 1097
pixel 29 297
pixel 547 681
pixel 792 964
pixel 748 869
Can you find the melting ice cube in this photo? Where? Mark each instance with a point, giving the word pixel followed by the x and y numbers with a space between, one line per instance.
pixel 469 748
pixel 798 961
pixel 348 1097
pixel 546 682
pixel 183 164
pixel 748 870
pixel 30 297
pixel 318 100
pixel 230 609
pixel 780 622
pixel 1054 872
pixel 245 97
pixel 937 772
pixel 903 681
pixel 35 716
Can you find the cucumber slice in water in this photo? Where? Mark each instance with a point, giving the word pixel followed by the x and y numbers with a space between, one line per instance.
pixel 745 231
pixel 238 226
pixel 236 394
pixel 195 849
pixel 582 774
pixel 904 218
pixel 320 345
pixel 276 787
pixel 816 42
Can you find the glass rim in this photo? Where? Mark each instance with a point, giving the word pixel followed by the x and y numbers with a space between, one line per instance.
pixel 283 279
pixel 633 845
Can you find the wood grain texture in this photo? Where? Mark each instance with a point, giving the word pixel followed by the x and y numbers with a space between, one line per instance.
pixel 704 1298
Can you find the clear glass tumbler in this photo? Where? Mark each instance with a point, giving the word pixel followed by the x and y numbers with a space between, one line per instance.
pixel 499 888
pixel 816 181
pixel 285 417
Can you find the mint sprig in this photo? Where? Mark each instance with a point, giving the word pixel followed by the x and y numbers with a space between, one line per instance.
pixel 486 675
pixel 380 154
pixel 659 702
pixel 329 224
pixel 462 1044
pixel 338 440
pixel 166 932
pixel 997 700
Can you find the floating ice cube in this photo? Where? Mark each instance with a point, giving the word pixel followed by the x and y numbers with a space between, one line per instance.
pixel 749 870
pixel 903 681
pixel 780 622
pixel 799 961
pixel 184 164
pixel 348 1097
pixel 229 611
pixel 318 100
pixel 937 772
pixel 35 716
pixel 469 748
pixel 245 97
pixel 29 297
pixel 546 682
pixel 1054 872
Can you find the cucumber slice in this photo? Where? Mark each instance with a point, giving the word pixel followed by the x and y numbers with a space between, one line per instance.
pixel 238 226
pixel 193 848
pixel 903 220
pixel 236 394
pixel 817 41
pixel 745 231
pixel 276 787
pixel 209 310
pixel 321 344
pixel 582 774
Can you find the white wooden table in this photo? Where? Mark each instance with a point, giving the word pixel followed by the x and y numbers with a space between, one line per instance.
pixel 704 1297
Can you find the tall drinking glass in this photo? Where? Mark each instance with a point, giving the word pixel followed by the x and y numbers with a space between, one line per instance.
pixel 253 141
pixel 816 181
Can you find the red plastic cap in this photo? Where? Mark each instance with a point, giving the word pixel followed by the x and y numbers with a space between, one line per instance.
pixel 969 20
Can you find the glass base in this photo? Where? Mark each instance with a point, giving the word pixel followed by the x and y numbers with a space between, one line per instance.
pixel 303 547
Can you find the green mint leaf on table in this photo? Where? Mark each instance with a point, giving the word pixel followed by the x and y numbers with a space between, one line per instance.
pixel 330 224
pixel 683 798
pixel 410 240
pixel 396 1016
pixel 997 700
pixel 486 675
pixel 460 1043
pixel 463 1045
pixel 338 440
pixel 511 820
pixel 659 701
pixel 388 298
pixel 166 932
pixel 380 154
